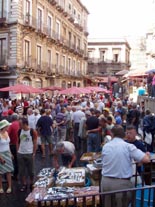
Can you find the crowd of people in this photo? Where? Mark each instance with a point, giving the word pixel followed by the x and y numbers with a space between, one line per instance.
pixel 69 124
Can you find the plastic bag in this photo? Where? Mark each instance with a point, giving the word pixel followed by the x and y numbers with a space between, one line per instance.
pixel 148 138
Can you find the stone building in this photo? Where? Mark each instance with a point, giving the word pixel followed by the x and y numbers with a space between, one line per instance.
pixel 43 42
pixel 106 57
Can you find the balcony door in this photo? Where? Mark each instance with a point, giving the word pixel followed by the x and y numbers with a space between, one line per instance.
pixel 2 51
pixel 27 53
pixel 3 8
pixel 39 18
pixel 39 57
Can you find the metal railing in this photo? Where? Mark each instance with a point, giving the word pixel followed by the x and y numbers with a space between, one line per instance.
pixel 135 197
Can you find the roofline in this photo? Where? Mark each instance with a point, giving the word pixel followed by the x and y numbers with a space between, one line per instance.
pixel 108 43
pixel 84 7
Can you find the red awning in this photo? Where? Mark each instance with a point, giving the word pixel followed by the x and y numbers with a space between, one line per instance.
pixel 106 79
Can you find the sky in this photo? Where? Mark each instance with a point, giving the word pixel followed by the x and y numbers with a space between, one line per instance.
pixel 119 18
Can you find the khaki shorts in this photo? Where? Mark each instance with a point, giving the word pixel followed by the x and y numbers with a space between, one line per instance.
pixel 47 139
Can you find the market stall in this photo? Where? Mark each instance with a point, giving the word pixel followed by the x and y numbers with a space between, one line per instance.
pixel 66 184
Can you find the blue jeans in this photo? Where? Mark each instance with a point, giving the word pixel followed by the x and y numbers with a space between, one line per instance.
pixel 93 142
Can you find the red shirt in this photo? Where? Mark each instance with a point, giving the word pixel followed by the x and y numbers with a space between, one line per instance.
pixel 13 132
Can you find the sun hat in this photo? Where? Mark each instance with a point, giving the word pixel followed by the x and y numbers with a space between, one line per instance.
pixel 4 123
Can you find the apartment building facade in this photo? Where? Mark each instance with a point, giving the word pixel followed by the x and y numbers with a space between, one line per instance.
pixel 108 56
pixel 43 42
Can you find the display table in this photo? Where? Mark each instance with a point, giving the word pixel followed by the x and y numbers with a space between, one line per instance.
pixel 53 194
pixel 90 156
pixel 68 183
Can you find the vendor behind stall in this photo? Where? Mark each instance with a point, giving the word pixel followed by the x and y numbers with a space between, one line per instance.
pixel 65 150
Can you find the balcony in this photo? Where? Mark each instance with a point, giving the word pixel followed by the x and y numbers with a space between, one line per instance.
pixel 29 21
pixel 60 6
pixel 41 30
pixel 3 18
pixel 52 2
pixel 71 17
pixel 3 63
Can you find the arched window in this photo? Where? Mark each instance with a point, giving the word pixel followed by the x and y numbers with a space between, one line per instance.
pixel 38 83
pixel 63 84
pixel 26 81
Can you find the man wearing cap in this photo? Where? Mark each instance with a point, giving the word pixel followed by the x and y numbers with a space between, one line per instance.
pixel 106 113
pixel 66 150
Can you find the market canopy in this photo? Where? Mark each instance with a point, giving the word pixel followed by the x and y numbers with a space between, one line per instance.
pixel 21 88
pixel 97 89
pixel 136 73
pixel 52 88
pixel 75 90
pixel 122 72
pixel 150 71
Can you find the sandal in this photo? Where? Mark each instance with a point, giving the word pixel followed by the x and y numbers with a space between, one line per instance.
pixel 9 190
pixel 23 188
pixel 1 191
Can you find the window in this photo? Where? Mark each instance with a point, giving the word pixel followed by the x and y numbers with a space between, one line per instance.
pixel 2 8
pixel 28 7
pixel 49 60
pixel 90 54
pixel 74 65
pixel 79 43
pixel 57 29
pixel 63 3
pixel 115 57
pixel 74 41
pixel 2 50
pixel 70 38
pixel 27 53
pixel 64 63
pixel 116 53
pixel 102 56
pixel 39 56
pixel 27 11
pixel 74 12
pixel 69 65
pixel 40 16
pixel 57 62
pixel 78 67
pixel 85 49
pixel 70 8
pixel 79 18
pixel 49 25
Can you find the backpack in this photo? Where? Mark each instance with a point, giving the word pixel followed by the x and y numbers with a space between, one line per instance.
pixel 31 133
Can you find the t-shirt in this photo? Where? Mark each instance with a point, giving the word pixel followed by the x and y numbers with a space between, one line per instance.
pixel 139 145
pixel 26 142
pixel 44 124
pixel 92 123
pixel 13 132
pixel 61 117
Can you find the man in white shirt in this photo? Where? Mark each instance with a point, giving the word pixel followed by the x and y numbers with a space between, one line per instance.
pixel 77 116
